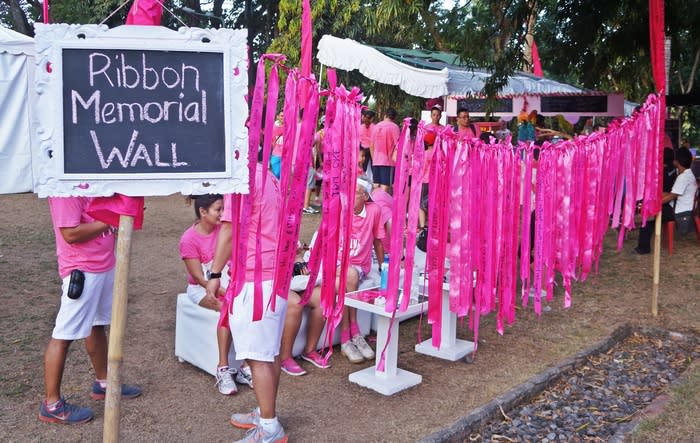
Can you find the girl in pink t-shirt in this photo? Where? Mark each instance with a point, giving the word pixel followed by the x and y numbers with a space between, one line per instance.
pixel 197 248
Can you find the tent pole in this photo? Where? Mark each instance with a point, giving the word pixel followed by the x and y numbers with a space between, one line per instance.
pixel 657 266
pixel 320 76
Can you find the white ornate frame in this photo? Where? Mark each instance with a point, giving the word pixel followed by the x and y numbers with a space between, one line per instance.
pixel 50 41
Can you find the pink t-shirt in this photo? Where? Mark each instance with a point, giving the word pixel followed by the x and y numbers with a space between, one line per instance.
pixel 467 132
pixel 277 139
pixel 199 246
pixel 267 207
pixel 386 136
pixel 436 127
pixel 366 133
pixel 428 160
pixel 366 227
pixel 96 255
pixel 386 203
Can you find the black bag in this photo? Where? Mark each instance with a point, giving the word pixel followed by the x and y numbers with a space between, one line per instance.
pixel 75 285
pixel 422 240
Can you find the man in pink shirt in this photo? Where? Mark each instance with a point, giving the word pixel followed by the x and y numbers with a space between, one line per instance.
pixel 257 342
pixel 366 132
pixel 464 128
pixel 435 116
pixel 386 204
pixel 383 148
pixel 85 250
pixel 367 231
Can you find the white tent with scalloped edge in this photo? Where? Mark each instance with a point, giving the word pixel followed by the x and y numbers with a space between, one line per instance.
pixel 17 97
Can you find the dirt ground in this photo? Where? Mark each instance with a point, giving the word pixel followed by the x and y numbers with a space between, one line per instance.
pixel 181 403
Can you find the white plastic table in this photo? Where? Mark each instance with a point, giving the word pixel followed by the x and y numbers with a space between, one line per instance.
pixel 392 379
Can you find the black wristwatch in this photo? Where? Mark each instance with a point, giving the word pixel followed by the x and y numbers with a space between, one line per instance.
pixel 211 275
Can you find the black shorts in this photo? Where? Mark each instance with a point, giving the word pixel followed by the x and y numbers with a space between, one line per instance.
pixel 368 157
pixel 383 175
pixel 424 197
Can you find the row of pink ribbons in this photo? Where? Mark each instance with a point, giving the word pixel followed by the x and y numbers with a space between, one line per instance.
pixel 484 198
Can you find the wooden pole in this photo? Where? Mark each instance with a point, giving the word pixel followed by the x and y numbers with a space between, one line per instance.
pixel 657 267
pixel 116 330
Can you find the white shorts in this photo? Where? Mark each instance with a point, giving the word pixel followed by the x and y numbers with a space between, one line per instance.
pixel 76 318
pixel 257 340
pixel 196 293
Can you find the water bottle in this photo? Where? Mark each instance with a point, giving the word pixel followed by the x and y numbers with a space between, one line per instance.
pixel 384 281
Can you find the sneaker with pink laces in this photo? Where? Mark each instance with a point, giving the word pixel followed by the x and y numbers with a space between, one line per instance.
pixel 315 359
pixel 291 367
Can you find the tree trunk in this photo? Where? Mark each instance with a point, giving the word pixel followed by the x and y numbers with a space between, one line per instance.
pixel 529 37
pixel 21 24
pixel 429 19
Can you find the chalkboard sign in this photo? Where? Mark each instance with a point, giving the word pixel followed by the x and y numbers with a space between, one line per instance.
pixel 479 105
pixel 574 103
pixel 141 110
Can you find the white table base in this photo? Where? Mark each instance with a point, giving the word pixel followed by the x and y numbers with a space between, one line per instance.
pixel 451 348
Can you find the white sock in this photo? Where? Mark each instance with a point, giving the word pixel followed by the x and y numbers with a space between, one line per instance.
pixel 222 368
pixel 269 425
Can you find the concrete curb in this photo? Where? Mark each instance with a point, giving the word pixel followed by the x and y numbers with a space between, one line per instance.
pixel 479 417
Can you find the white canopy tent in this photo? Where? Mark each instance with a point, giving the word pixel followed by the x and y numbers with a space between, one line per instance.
pixel 349 55
pixel 17 97
pixel 430 75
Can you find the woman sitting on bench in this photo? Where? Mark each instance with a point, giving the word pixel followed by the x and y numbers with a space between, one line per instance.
pixel 197 247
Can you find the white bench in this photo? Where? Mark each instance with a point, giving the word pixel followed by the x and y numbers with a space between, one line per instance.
pixel 195 332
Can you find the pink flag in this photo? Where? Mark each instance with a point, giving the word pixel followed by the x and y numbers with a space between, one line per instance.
pixel 536 65
pixel 145 12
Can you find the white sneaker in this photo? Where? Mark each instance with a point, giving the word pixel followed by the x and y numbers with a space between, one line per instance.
pixel 349 350
pixel 224 380
pixel 259 435
pixel 363 347
pixel 244 376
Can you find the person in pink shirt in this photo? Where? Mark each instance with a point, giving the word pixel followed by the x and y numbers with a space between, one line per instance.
pixel 197 247
pixel 435 116
pixel 85 250
pixel 384 142
pixel 366 133
pixel 428 142
pixel 277 140
pixel 386 204
pixel 465 129
pixel 367 231
pixel 257 342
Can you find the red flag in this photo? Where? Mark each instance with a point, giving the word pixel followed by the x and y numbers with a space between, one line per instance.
pixel 536 65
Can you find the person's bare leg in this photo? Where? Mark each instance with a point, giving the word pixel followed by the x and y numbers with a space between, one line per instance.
pixel 307 197
pixel 54 363
pixel 316 321
pixel 223 341
pixel 351 283
pixel 292 322
pixel 421 218
pixel 345 321
pixel 96 346
pixel 266 377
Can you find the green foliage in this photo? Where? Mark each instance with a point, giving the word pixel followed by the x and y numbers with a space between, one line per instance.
pixel 594 44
